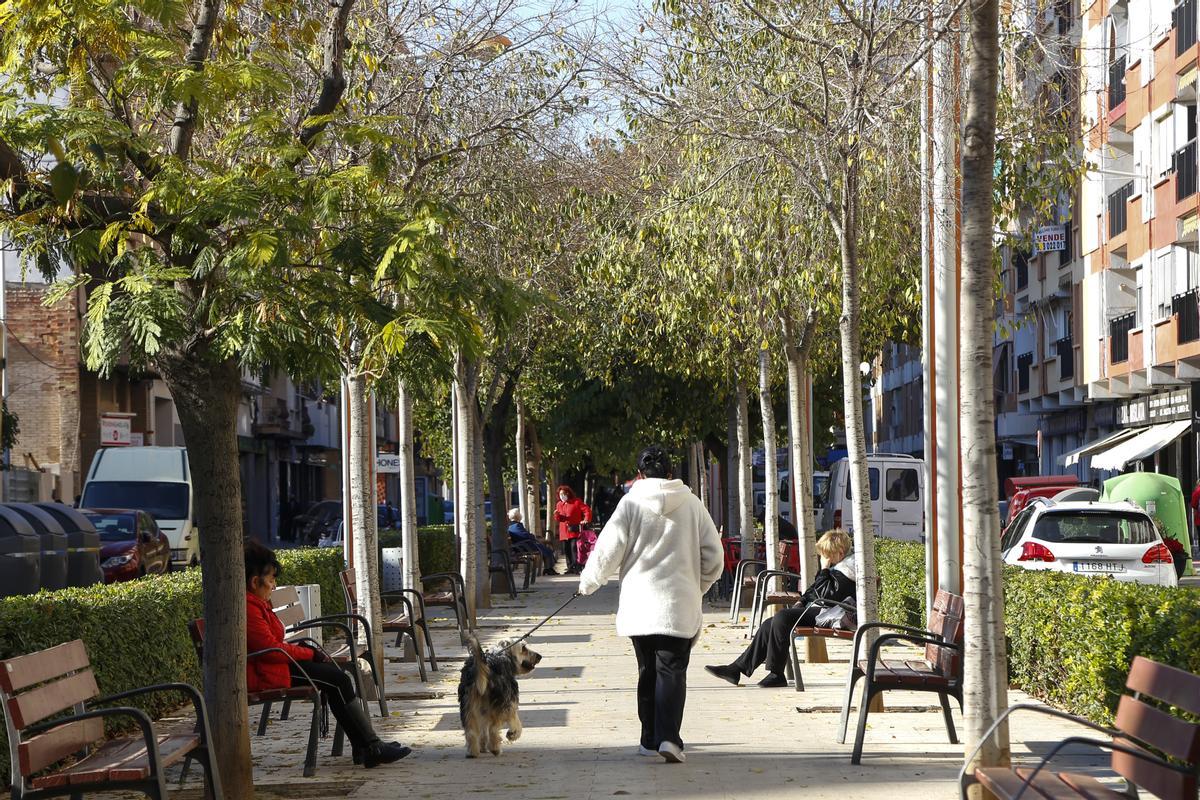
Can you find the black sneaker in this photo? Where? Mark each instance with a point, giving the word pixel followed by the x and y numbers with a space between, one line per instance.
pixel 773 681
pixel 727 673
pixel 384 753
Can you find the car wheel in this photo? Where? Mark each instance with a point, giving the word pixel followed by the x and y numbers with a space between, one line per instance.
pixel 141 572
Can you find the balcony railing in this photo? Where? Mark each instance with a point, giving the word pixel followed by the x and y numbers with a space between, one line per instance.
pixel 1184 163
pixel 1065 348
pixel 1118 331
pixel 1116 83
pixel 1118 218
pixel 1183 20
pixel 1186 308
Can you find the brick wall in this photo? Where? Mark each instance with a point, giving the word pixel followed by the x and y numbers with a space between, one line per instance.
pixel 43 375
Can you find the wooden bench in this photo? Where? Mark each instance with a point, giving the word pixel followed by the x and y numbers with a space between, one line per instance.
pixel 815 638
pixel 1142 730
pixel 940 671
pixel 452 596
pixel 267 698
pixel 401 623
pixel 37 687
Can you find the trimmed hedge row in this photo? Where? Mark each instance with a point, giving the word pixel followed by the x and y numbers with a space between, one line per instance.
pixel 437 550
pixel 136 632
pixel 1070 638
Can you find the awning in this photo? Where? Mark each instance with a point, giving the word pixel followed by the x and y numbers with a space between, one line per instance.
pixel 1146 443
pixel 1187 78
pixel 1073 457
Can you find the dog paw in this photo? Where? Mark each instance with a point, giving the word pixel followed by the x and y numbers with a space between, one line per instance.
pixel 513 735
pixel 496 752
pixel 472 755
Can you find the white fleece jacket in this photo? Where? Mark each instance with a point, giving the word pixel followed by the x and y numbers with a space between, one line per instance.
pixel 664 545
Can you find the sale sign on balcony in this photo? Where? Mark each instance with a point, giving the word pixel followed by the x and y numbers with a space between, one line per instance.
pixel 1050 239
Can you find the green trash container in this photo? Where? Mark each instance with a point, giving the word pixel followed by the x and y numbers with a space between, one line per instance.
pixel 1162 498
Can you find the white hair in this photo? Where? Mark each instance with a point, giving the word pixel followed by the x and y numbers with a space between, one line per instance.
pixel 514 514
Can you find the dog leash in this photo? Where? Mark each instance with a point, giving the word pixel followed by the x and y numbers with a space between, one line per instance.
pixel 553 614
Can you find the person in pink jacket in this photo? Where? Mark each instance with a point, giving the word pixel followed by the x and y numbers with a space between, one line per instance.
pixel 571 513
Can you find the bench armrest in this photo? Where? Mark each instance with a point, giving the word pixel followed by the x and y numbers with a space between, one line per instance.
pixel 863 628
pixel 140 717
pixel 965 780
pixel 418 598
pixel 186 688
pixel 310 624
pixel 1099 745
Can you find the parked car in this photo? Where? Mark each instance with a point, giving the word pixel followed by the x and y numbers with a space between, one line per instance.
pixel 131 543
pixel 157 480
pixel 387 517
pixel 447 512
pixel 1019 491
pixel 317 521
pixel 897 485
pixel 1117 540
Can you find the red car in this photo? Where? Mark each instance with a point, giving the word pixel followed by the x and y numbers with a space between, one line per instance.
pixel 131 545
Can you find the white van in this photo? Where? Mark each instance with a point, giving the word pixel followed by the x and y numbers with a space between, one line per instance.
pixel 157 480
pixel 897 496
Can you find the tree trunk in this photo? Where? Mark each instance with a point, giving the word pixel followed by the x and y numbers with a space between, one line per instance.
pixel 534 484
pixel 856 447
pixel 745 482
pixel 702 462
pixel 730 487
pixel 797 345
pixel 495 446
pixel 363 502
pixel 522 464
pixel 770 465
pixel 483 577
pixel 984 674
pixel 551 489
pixel 206 394
pixel 408 490
pixel 464 506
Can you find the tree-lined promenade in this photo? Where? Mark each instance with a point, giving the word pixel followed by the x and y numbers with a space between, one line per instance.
pixel 519 225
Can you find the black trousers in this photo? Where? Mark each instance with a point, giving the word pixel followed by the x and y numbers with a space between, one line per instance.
pixel 569 552
pixel 662 686
pixel 337 687
pixel 771 645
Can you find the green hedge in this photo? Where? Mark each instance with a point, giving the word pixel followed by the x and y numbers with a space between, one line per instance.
pixel 136 632
pixel 436 547
pixel 1070 638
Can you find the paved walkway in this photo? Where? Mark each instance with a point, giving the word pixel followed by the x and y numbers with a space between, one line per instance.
pixel 581 728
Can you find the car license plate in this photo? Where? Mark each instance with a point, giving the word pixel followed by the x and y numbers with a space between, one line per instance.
pixel 1098 566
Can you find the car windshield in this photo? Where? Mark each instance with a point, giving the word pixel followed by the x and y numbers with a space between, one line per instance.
pixel 114 527
pixel 1097 527
pixel 160 500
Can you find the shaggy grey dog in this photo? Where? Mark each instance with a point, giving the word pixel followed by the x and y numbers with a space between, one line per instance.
pixel 488 695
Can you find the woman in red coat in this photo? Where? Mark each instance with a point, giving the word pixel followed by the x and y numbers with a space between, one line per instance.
pixel 571 513
pixel 300 665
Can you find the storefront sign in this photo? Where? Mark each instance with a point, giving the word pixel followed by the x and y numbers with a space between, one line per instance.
pixel 1050 239
pixel 116 431
pixel 1156 408
pixel 387 463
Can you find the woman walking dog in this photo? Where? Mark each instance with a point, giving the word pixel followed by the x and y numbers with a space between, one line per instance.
pixel 664 545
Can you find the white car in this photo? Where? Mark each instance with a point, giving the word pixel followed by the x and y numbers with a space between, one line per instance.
pixel 1117 540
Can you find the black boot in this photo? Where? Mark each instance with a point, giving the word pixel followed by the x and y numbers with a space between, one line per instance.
pixel 367 747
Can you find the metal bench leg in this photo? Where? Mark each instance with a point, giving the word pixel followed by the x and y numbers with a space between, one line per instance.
pixel 949 720
pixel 314 732
pixel 412 634
pixel 287 709
pixel 183 771
pixel 429 645
pixel 211 776
pixel 262 720
pixel 735 594
pixel 851 679
pixel 796 666
pixel 339 740
pixel 864 708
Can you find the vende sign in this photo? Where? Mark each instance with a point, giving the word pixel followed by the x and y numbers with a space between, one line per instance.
pixel 1050 239
pixel 115 431
pixel 387 462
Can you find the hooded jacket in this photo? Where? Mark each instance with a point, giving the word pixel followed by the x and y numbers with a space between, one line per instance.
pixel 666 549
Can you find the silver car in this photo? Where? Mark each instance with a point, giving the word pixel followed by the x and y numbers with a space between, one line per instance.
pixel 1116 540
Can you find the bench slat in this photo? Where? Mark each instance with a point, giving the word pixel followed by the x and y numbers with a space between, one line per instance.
pixel 48 699
pixel 24 671
pixel 830 633
pixel 1155 779
pixel 1169 684
pixel 53 746
pixel 1159 729
pixel 1004 783
pixel 121 760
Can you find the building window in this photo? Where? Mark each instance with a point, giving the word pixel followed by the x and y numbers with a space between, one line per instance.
pixel 1118 210
pixel 1024 362
pixel 1183 20
pixel 1118 332
pixel 1021 265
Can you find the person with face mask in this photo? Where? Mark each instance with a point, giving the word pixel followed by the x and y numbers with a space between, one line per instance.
pixel 572 514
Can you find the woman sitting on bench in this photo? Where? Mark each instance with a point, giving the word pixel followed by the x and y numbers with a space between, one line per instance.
pixel 834 582
pixel 305 665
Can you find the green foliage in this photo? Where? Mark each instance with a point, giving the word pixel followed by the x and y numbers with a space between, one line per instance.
pixel 436 547
pixel 319 565
pixel 1070 639
pixel 11 426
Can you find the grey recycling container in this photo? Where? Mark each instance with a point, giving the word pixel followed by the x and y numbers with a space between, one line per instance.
pixel 83 544
pixel 54 544
pixel 20 555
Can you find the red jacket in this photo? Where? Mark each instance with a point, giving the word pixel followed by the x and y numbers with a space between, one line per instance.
pixel 572 511
pixel 263 630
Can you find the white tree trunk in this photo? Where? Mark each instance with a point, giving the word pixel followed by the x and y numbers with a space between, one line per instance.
pixel 464 507
pixel 796 347
pixel 362 501
pixel 408 490
pixel 702 462
pixel 849 329
pixel 733 496
pixel 534 484
pixel 483 577
pixel 551 499
pixel 522 464
pixel 745 477
pixel 985 678
pixel 770 465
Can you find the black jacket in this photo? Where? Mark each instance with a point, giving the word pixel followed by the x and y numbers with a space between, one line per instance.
pixel 830 584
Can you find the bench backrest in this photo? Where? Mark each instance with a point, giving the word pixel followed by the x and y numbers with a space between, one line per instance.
pixel 196 630
pixel 1149 724
pixel 946 621
pixel 38 686
pixel 350 589
pixel 285 601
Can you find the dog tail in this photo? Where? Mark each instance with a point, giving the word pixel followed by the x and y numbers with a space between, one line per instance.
pixel 482 672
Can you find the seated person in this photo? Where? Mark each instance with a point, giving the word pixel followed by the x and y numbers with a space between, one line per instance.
pixel 518 533
pixel 278 671
pixel 835 581
pixel 787 531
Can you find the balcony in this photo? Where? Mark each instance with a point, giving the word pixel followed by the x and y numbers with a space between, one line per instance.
pixel 1186 309
pixel 1183 20
pixel 1065 349
pixel 278 421
pixel 1118 332
pixel 1183 162
pixel 1118 217
pixel 1116 83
